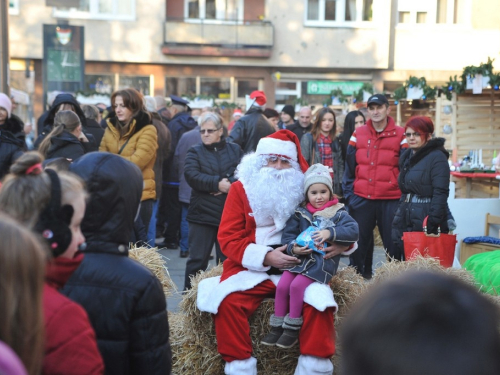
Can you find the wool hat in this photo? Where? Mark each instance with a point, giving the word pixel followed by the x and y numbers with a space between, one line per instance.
pixel 6 103
pixel 317 174
pixel 289 110
pixel 260 98
pixel 379 99
pixel 282 143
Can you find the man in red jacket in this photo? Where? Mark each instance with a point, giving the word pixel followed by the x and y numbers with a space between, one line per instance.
pixel 370 180
pixel 258 205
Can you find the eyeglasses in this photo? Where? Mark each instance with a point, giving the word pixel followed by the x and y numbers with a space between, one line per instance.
pixel 209 131
pixel 409 135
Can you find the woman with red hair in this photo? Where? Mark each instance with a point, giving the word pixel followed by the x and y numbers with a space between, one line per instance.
pixel 424 180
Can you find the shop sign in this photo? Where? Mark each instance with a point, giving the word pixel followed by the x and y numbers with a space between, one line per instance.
pixel 326 87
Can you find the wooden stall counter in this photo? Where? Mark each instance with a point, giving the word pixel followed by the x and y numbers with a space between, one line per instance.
pixel 476 185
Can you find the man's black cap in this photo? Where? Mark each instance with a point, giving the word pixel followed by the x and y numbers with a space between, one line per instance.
pixel 379 99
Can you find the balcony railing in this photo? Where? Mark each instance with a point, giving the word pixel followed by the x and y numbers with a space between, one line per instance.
pixel 227 38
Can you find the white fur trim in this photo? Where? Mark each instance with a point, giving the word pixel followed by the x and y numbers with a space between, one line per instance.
pixel 269 145
pixel 310 365
pixel 241 367
pixel 211 292
pixel 350 251
pixel 253 257
pixel 320 296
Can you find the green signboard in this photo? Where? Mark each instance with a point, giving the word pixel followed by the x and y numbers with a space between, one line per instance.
pixel 326 87
pixel 63 59
pixel 63 66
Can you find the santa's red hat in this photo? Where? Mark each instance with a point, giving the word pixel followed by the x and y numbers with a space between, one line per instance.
pixel 285 144
pixel 237 112
pixel 260 98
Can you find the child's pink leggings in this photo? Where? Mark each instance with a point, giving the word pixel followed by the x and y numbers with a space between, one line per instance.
pixel 290 293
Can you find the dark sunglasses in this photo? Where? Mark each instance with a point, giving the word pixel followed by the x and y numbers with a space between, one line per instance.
pixel 409 135
pixel 209 131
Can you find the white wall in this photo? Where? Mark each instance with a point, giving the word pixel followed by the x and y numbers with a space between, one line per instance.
pixel 470 216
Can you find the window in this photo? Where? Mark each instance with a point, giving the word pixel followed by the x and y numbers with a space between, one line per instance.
pixel 99 9
pixel 182 86
pixel 434 11
pixel 14 7
pixel 246 87
pixel 220 88
pixel 220 10
pixel 140 83
pixel 332 12
pixel 100 83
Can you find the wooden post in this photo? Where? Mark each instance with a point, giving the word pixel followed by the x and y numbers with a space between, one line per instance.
pixel 438 125
pixel 398 114
pixel 454 107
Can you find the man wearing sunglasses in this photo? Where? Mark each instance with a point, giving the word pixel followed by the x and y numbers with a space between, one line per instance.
pixel 370 180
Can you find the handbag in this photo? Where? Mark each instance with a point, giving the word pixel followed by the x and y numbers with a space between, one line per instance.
pixel 440 246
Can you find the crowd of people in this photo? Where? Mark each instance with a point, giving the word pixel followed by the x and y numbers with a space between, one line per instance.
pixel 280 199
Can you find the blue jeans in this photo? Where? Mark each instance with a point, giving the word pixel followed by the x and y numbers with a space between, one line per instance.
pixel 152 225
pixel 183 243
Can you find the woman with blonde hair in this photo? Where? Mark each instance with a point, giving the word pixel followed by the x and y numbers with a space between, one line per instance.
pixel 66 138
pixel 132 135
pixel 53 205
pixel 22 264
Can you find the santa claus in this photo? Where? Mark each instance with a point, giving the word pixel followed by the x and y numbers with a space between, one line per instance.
pixel 269 189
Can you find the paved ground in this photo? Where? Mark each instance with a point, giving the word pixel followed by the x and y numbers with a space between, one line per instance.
pixel 177 266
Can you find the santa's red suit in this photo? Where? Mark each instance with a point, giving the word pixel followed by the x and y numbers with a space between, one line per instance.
pixel 233 297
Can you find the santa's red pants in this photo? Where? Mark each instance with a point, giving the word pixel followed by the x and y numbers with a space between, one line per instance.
pixel 317 335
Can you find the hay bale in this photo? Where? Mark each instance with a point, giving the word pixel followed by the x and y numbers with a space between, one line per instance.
pixel 391 270
pixel 194 344
pixel 347 285
pixel 193 340
pixel 150 258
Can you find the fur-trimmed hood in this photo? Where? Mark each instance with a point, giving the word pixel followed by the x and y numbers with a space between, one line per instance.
pixel 139 121
pixel 430 146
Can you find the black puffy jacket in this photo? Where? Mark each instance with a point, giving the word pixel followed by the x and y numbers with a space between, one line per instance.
pixel 12 143
pixel 124 300
pixel 96 130
pixel 68 146
pixel 424 174
pixel 249 129
pixel 48 122
pixel 205 166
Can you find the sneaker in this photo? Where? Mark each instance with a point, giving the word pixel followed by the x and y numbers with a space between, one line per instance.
pixel 288 339
pixel 272 337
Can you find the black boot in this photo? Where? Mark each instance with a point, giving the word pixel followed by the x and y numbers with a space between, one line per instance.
pixel 276 331
pixel 290 335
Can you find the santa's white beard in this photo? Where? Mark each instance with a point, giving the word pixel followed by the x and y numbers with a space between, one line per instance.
pixel 272 193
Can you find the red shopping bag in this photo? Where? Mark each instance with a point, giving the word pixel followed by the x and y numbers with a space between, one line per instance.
pixel 440 246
